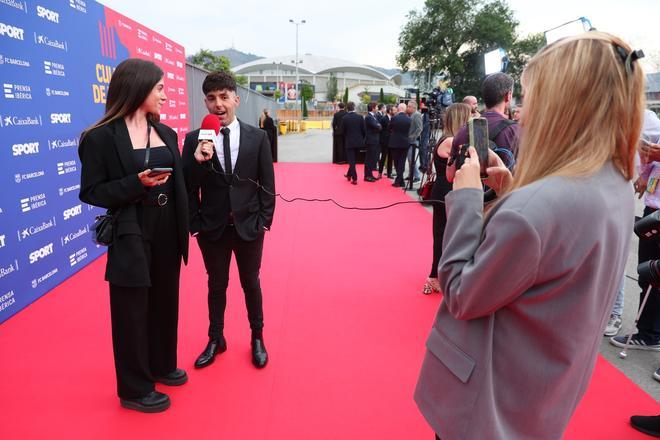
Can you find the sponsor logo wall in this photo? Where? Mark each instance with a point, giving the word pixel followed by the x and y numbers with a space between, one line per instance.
pixel 56 61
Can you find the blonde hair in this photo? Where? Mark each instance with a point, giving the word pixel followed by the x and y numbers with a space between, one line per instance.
pixel 582 109
pixel 456 116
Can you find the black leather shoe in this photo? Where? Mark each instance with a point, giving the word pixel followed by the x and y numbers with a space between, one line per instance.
pixel 259 354
pixel 647 424
pixel 347 177
pixel 151 403
pixel 398 185
pixel 176 377
pixel 354 182
pixel 215 346
pixel 369 179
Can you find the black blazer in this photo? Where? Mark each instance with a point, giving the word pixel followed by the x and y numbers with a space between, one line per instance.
pixel 399 127
pixel 352 126
pixel 212 196
pixel 109 180
pixel 336 122
pixel 373 129
pixel 385 131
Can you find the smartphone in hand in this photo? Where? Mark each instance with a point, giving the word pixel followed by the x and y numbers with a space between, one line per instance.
pixel 155 172
pixel 478 138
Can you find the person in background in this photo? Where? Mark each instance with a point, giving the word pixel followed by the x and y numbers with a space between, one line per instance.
pixel 456 116
pixel 372 138
pixel 271 131
pixel 338 148
pixel 416 126
pixel 474 105
pixel 424 154
pixel 353 129
pixel 144 260
pixel 398 143
pixel 517 111
pixel 385 155
pixel 496 357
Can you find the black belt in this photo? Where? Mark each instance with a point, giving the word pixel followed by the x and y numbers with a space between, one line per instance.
pixel 161 199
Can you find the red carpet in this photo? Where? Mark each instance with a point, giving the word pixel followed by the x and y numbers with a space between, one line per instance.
pixel 345 329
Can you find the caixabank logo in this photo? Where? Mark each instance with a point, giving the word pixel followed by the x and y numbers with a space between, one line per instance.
pixel 9 121
pixel 55 43
pixel 17 91
pixel 56 144
pixel 8 269
pixel 20 5
pixel 35 229
pixel 72 236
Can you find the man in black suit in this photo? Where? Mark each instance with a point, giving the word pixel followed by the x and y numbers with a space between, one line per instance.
pixel 229 213
pixel 373 128
pixel 338 151
pixel 353 128
pixel 398 144
pixel 384 140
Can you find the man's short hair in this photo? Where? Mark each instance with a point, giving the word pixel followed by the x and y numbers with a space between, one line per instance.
pixel 341 106
pixel 350 106
pixel 371 106
pixel 412 103
pixel 218 81
pixel 495 88
pixel 380 106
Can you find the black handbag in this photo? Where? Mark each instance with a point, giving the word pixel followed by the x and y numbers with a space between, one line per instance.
pixel 103 228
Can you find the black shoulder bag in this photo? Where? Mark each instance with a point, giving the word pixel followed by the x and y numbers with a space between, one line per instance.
pixel 103 228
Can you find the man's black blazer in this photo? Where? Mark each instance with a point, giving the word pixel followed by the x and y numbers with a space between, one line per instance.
pixel 352 126
pixel 373 129
pixel 109 180
pixel 212 195
pixel 385 130
pixel 399 127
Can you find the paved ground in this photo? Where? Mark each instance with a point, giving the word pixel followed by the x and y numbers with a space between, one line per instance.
pixel 316 146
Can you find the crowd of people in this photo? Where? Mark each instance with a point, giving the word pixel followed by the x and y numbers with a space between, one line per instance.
pixel 509 268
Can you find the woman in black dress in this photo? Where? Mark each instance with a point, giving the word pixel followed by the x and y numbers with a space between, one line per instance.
pixel 456 116
pixel 117 155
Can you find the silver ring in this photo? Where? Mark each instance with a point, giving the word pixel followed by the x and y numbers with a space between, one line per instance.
pixel 162 199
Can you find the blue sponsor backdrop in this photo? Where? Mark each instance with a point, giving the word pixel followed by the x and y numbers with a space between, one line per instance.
pixel 55 65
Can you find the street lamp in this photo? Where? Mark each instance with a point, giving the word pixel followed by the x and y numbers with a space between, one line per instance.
pixel 298 88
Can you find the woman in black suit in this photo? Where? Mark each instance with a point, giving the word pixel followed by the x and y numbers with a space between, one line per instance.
pixel 151 236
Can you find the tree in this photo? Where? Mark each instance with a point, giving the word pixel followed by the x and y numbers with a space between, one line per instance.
pixel 345 98
pixel 331 85
pixel 449 37
pixel 306 94
pixel 381 98
pixel 366 96
pixel 215 63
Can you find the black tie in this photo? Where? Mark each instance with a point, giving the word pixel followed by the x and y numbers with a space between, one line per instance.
pixel 226 148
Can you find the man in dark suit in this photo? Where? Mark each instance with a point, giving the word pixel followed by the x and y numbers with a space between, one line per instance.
pixel 338 151
pixel 398 144
pixel 229 213
pixel 373 129
pixel 384 140
pixel 353 128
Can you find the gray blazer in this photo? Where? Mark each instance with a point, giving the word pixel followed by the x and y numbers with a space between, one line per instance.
pixel 525 303
pixel 416 126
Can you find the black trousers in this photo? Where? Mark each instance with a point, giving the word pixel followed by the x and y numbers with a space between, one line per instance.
pixel 145 319
pixel 399 156
pixel 351 154
pixel 370 160
pixel 439 224
pixel 217 256
pixel 648 325
pixel 385 156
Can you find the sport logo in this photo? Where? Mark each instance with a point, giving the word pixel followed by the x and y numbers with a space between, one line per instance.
pixel 17 91
pixel 72 212
pixel 12 31
pixel 41 253
pixel 60 118
pixel 48 14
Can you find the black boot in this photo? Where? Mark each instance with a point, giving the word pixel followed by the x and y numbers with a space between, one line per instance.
pixel 215 346
pixel 259 354
pixel 647 424
pixel 151 403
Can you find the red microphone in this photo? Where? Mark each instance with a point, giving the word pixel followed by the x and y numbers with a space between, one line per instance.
pixel 209 129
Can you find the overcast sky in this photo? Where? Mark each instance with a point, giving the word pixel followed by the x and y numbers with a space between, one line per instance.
pixel 363 31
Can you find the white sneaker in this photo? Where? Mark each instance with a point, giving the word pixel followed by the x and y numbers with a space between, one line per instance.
pixel 613 325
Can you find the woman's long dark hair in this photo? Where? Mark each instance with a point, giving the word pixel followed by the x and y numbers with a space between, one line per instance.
pixel 131 83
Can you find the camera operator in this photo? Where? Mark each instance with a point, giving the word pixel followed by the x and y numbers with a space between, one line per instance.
pixel 528 286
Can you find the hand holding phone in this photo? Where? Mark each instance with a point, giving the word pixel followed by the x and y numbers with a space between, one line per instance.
pixel 155 172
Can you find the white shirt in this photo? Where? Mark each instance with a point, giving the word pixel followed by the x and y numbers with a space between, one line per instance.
pixel 234 141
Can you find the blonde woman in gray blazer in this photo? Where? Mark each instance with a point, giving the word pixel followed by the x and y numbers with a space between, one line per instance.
pixel 528 285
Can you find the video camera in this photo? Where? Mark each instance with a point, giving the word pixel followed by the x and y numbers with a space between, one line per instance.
pixel 437 102
pixel 648 228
